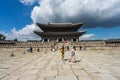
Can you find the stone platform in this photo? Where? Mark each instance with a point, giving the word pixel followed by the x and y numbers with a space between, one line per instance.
pixel 90 65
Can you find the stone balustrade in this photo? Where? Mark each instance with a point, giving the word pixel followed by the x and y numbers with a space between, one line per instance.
pixel 91 45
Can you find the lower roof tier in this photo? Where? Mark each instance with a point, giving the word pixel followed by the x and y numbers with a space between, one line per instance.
pixel 59 34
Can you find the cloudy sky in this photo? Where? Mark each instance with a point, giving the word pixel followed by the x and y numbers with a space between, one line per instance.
pixel 101 17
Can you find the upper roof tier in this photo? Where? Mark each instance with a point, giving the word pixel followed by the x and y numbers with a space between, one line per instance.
pixel 60 27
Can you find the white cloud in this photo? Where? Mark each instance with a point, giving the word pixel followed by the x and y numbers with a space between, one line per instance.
pixel 28 2
pixel 92 12
pixel 86 36
pixel 24 34
pixel 43 14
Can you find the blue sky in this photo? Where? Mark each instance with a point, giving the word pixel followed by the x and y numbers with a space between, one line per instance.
pixel 17 17
pixel 105 33
pixel 13 14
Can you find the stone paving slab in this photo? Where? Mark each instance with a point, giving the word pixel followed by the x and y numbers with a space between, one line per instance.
pixel 90 65
pixel 84 78
pixel 48 73
pixel 107 77
pixel 65 72
pixel 28 77
pixel 50 78
pixel 13 77
pixel 81 73
pixel 65 78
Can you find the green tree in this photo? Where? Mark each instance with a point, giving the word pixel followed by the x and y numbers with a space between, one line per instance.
pixel 2 37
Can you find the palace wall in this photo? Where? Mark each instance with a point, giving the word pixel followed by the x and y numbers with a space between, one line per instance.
pixel 45 46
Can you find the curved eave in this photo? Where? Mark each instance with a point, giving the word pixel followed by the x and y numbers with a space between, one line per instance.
pixel 51 34
pixel 60 28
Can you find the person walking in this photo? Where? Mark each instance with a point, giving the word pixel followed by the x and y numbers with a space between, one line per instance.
pixel 62 53
pixel 73 52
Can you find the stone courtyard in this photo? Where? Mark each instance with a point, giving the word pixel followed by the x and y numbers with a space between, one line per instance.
pixel 90 65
